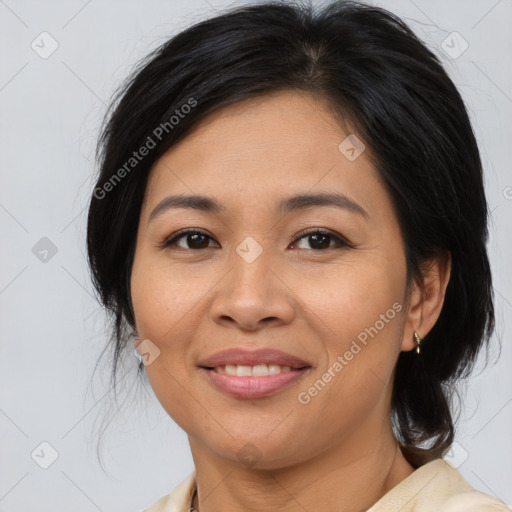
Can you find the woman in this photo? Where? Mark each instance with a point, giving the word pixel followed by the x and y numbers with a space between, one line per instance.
pixel 290 227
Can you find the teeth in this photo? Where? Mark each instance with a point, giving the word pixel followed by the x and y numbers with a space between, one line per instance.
pixel 243 371
pixel 259 370
pixel 229 369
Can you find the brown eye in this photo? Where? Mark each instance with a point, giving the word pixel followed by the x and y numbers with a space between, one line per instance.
pixel 320 239
pixel 193 240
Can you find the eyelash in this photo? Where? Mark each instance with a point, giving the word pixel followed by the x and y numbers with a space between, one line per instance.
pixel 340 241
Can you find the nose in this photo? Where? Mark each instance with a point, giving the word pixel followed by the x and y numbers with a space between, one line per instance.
pixel 253 295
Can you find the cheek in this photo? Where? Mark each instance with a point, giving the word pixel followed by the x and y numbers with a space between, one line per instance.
pixel 164 310
pixel 364 312
pixel 158 321
pixel 362 349
pixel 161 299
pixel 356 297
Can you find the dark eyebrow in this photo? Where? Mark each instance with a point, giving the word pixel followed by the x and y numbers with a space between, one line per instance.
pixel 293 203
pixel 301 201
pixel 195 202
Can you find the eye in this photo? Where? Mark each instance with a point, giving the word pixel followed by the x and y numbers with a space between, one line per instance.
pixel 320 239
pixel 195 238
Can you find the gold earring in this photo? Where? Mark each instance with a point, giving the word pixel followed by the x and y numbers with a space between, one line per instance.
pixel 418 340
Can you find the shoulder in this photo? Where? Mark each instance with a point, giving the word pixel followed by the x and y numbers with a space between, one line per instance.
pixel 178 500
pixel 437 487
pixel 473 501
pixel 456 493
pixel 448 491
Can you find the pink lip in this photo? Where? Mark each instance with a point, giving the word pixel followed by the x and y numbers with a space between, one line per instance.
pixel 252 387
pixel 238 356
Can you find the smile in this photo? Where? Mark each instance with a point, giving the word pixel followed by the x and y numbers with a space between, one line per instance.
pixel 244 382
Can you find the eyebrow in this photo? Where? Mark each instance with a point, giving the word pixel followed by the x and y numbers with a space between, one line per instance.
pixel 287 205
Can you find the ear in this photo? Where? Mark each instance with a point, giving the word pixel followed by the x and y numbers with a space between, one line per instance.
pixel 426 299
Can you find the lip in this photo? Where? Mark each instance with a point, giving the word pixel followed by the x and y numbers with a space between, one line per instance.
pixel 238 356
pixel 253 387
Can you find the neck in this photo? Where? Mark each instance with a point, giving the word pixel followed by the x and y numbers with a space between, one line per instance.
pixel 346 478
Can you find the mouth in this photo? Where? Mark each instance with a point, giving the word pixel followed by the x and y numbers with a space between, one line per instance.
pixel 253 374
pixel 252 386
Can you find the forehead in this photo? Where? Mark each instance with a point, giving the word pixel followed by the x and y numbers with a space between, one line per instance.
pixel 287 141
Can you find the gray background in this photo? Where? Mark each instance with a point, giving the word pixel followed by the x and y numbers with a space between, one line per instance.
pixel 52 327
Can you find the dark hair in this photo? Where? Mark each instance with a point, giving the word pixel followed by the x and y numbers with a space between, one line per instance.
pixel 393 91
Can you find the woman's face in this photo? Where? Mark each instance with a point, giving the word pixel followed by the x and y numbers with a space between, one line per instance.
pixel 257 277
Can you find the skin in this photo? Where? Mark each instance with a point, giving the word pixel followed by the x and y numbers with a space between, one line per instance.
pixel 338 452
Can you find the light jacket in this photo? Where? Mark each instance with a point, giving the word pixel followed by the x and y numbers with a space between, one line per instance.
pixel 434 487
